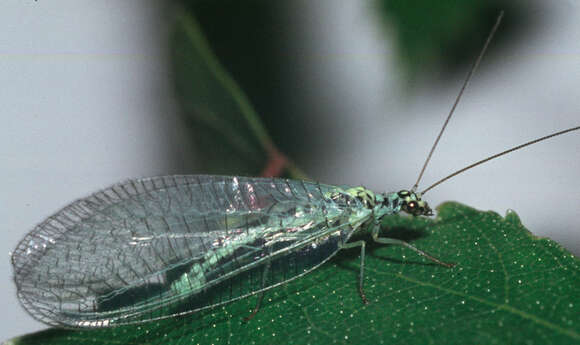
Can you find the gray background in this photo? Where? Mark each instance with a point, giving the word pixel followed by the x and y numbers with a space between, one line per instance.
pixel 86 102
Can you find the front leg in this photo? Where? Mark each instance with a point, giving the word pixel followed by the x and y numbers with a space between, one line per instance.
pixel 387 240
pixel 362 245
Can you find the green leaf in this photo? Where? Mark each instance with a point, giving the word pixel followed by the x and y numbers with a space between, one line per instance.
pixel 509 287
pixel 228 132
pixel 444 36
pixel 216 107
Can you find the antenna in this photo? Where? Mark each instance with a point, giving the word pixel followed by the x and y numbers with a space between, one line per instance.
pixel 463 87
pixel 515 148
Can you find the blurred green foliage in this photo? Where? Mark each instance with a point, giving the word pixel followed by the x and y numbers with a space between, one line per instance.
pixel 248 42
pixel 442 37
pixel 253 43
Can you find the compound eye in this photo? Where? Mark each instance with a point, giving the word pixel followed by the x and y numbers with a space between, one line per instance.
pixel 411 205
pixel 403 193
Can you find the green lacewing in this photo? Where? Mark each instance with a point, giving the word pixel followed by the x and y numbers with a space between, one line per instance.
pixel 161 247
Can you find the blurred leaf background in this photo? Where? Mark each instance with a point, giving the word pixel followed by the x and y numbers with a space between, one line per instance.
pixel 253 41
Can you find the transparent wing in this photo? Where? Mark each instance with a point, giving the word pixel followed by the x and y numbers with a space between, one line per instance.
pixel 153 248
